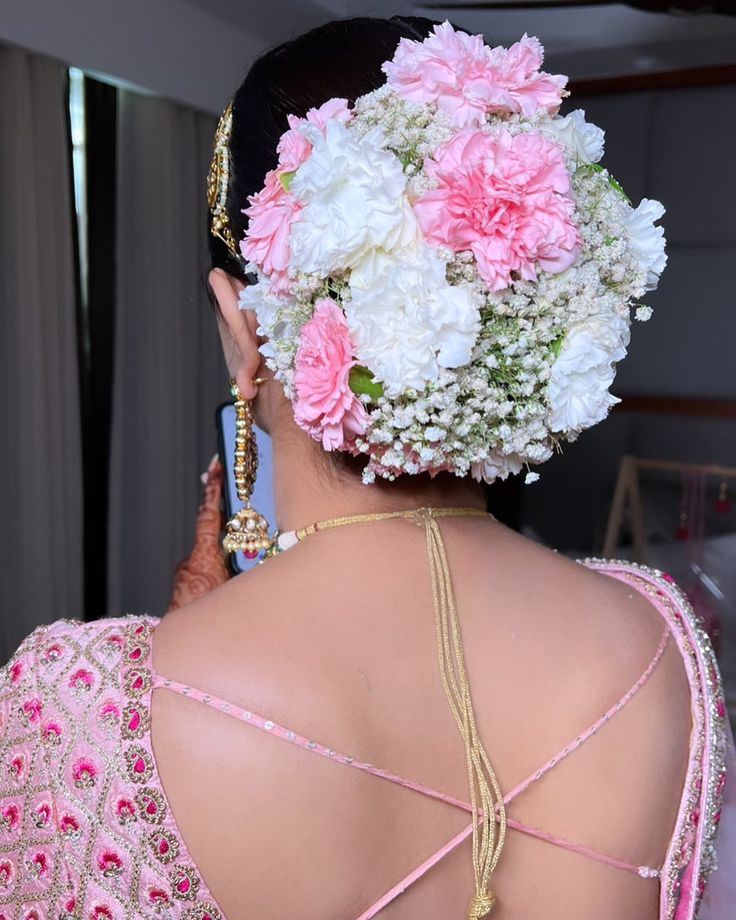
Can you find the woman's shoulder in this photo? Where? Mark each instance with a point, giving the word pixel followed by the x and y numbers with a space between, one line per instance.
pixel 655 595
pixel 691 855
pixel 631 630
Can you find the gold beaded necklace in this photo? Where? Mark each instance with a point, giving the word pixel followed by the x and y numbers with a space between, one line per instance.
pixel 486 798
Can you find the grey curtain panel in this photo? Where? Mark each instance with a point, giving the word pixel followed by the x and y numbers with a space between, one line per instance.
pixel 169 373
pixel 40 442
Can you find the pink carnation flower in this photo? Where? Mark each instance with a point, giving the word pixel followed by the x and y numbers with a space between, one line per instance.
pixel 506 199
pixel 519 85
pixel 273 210
pixel 467 79
pixel 325 406
pixel 294 148
pixel 271 213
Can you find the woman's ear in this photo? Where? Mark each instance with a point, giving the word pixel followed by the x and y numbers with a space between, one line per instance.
pixel 237 332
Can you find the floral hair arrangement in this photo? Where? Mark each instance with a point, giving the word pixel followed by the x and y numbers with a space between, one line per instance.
pixel 445 275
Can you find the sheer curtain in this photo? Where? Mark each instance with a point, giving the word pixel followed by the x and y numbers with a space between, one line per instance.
pixel 169 374
pixel 40 446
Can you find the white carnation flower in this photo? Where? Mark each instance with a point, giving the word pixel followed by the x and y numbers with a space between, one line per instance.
pixel 647 241
pixel 583 372
pixel 406 321
pixel 584 140
pixel 353 193
pixel 497 466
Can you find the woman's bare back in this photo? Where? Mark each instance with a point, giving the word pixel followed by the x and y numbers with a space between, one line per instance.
pixel 550 646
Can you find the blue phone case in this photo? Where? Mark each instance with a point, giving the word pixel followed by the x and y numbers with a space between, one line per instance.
pixel 262 497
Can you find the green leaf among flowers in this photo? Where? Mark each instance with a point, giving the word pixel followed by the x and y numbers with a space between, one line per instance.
pixel 556 346
pixel 614 183
pixel 286 179
pixel 361 382
pixel 617 185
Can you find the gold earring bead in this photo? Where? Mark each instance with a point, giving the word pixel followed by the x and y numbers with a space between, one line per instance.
pixel 247 530
pixel 259 380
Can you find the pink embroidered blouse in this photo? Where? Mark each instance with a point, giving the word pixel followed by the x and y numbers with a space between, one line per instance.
pixel 86 830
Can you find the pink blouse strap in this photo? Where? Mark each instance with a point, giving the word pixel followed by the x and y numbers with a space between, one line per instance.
pixel 431 861
pixel 286 734
pixel 596 726
pixel 292 737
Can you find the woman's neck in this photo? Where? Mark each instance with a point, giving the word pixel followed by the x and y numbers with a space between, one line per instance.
pixel 308 490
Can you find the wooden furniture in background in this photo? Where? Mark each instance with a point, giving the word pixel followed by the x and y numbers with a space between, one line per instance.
pixel 627 494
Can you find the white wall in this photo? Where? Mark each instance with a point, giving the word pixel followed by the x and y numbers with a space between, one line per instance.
pixel 169 47
pixel 677 146
pixel 197 51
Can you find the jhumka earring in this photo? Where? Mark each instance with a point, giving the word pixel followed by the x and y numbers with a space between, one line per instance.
pixel 247 530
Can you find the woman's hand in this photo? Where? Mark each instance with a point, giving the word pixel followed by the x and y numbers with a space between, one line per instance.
pixel 205 568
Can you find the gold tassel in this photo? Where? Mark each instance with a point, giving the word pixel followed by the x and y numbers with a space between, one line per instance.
pixel 486 798
pixel 481 905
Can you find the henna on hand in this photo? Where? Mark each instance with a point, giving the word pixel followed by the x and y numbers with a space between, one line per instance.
pixel 205 568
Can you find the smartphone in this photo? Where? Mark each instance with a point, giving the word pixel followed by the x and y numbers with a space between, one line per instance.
pixel 262 497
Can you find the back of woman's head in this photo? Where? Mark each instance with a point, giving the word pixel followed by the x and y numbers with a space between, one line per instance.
pixel 340 59
pixel 444 274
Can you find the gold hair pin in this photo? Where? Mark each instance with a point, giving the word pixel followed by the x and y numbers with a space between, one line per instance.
pixel 218 178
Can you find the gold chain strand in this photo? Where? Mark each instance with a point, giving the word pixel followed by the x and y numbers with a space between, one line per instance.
pixel 416 513
pixel 486 798
pixel 486 848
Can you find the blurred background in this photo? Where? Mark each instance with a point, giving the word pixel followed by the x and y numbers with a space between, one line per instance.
pixel 109 359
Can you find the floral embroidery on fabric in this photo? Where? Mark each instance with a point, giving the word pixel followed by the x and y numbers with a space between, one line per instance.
pixel 17 766
pixel 139 763
pixel 114 643
pixel 84 772
pixel 70 827
pixel 7 874
pixel 165 845
pixel 52 653
pixel 110 863
pixel 203 912
pixel 39 865
pixel 151 804
pixel 42 815
pixel 135 721
pixel 51 733
pixel 31 711
pixel 76 766
pixel 136 682
pixel 81 681
pixel 108 717
pixel 185 881
pixel 159 899
pixel 9 817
